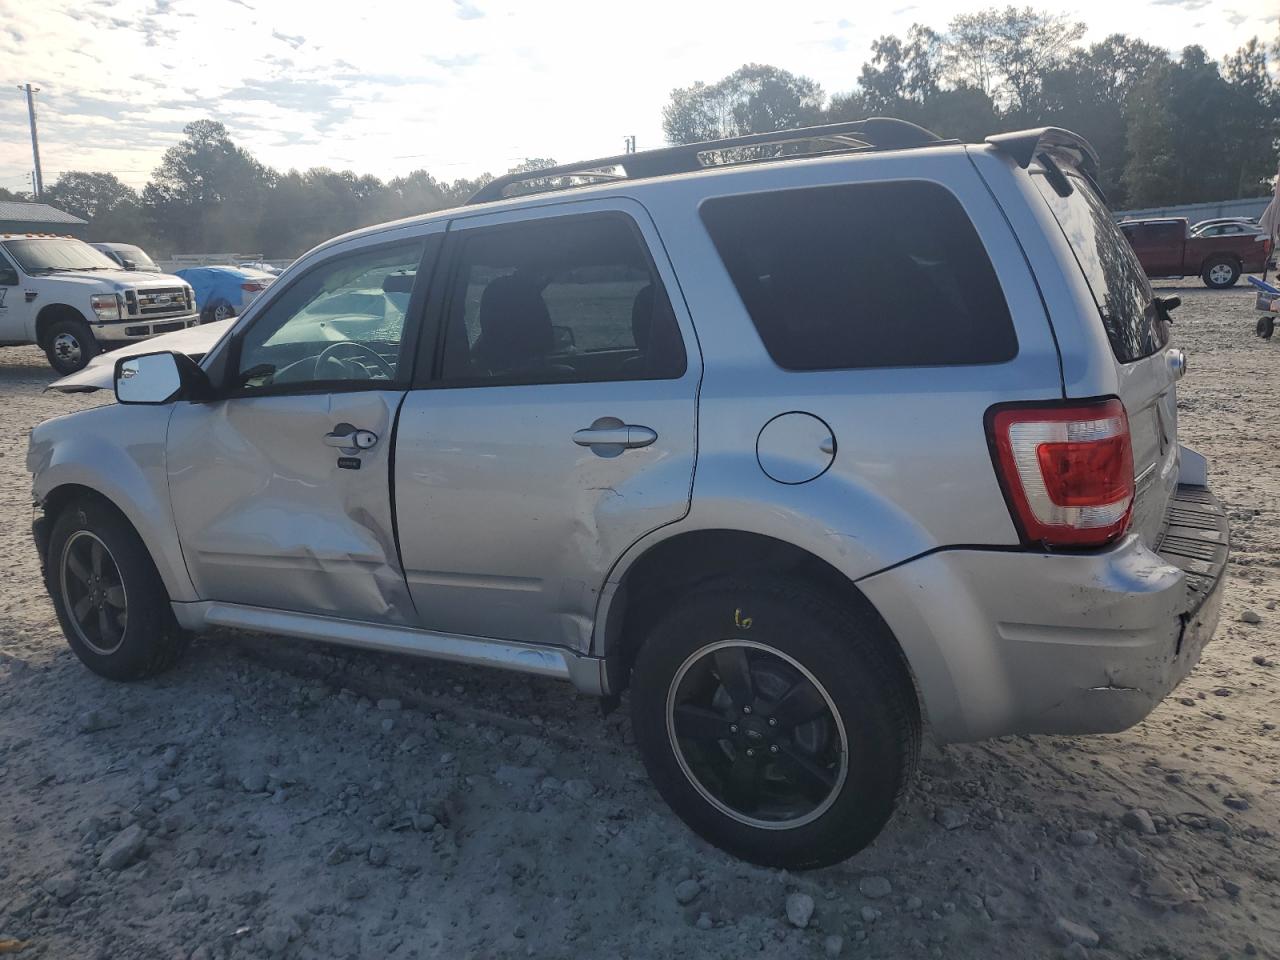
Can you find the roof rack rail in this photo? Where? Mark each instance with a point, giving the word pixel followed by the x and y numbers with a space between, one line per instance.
pixel 873 133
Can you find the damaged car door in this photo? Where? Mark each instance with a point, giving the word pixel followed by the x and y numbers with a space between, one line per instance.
pixel 557 427
pixel 281 487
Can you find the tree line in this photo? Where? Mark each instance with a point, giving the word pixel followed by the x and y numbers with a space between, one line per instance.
pixel 1170 129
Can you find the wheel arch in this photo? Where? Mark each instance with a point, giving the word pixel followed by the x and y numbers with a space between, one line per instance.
pixel 119 460
pixel 1222 255
pixel 176 582
pixel 632 600
pixel 50 314
pixel 62 497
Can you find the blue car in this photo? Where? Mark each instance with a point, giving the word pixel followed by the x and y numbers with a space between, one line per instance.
pixel 223 292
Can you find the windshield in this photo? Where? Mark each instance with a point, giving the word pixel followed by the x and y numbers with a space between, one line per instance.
pixel 51 255
pixel 1120 287
pixel 135 255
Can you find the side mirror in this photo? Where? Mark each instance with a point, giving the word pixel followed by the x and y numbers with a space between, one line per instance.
pixel 158 378
pixel 1164 305
pixel 128 265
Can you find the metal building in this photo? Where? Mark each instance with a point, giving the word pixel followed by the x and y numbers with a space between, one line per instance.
pixel 19 217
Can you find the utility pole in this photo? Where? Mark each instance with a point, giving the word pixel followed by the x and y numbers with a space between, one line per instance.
pixel 31 91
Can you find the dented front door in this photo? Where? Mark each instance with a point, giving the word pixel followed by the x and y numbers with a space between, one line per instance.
pixel 271 515
pixel 281 490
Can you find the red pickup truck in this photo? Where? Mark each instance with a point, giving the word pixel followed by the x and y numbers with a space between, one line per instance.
pixel 1167 248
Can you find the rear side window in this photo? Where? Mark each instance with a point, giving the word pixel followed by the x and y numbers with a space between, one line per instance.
pixel 1119 285
pixel 570 299
pixel 863 275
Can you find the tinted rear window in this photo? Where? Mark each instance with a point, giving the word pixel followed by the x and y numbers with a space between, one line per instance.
pixel 1120 287
pixel 863 275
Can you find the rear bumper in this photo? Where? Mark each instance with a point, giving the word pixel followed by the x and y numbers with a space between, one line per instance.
pixel 1008 642
pixel 128 331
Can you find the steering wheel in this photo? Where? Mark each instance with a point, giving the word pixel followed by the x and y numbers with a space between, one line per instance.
pixel 358 347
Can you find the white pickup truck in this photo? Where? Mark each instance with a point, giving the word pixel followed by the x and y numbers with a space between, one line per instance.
pixel 73 301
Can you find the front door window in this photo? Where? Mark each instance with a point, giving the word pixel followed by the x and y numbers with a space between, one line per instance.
pixel 340 325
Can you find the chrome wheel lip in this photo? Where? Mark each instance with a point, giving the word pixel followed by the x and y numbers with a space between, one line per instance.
pixel 841 776
pixel 67 347
pixel 66 597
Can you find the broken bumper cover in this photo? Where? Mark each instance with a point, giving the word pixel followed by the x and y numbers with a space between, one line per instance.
pixel 1011 642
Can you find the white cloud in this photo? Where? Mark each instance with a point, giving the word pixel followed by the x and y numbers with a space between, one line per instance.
pixel 455 86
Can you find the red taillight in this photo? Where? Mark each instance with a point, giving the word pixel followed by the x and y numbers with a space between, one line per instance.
pixel 1066 470
pixel 253 287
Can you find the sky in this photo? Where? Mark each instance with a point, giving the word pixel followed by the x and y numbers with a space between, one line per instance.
pixel 456 87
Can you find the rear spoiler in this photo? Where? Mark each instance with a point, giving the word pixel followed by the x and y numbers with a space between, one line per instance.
pixel 1024 146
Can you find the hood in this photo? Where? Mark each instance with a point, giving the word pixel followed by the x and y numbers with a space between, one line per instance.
pixel 195 342
pixel 119 280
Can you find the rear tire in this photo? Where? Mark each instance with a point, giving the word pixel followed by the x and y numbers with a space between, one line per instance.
pixel 1266 327
pixel 752 778
pixel 111 603
pixel 1220 273
pixel 69 345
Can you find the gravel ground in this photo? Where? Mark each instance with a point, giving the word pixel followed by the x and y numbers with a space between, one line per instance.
pixel 268 798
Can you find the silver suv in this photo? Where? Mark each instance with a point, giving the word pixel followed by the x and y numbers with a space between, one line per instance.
pixel 801 450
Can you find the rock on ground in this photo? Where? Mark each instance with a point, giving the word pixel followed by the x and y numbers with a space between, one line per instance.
pixel 1068 932
pixel 799 909
pixel 875 887
pixel 123 848
pixel 687 891
pixel 1140 820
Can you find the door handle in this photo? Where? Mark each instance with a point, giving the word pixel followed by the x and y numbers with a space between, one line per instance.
pixel 625 435
pixel 348 438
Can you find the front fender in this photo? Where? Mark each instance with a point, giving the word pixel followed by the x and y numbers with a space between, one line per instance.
pixel 118 452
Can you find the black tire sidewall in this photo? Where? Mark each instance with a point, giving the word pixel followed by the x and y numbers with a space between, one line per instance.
pixel 152 640
pixel 84 336
pixel 1266 327
pixel 1235 273
pixel 871 692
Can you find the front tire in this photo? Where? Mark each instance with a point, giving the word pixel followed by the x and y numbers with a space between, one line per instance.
pixel 111 603
pixel 1220 273
pixel 1266 327
pixel 781 726
pixel 70 345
